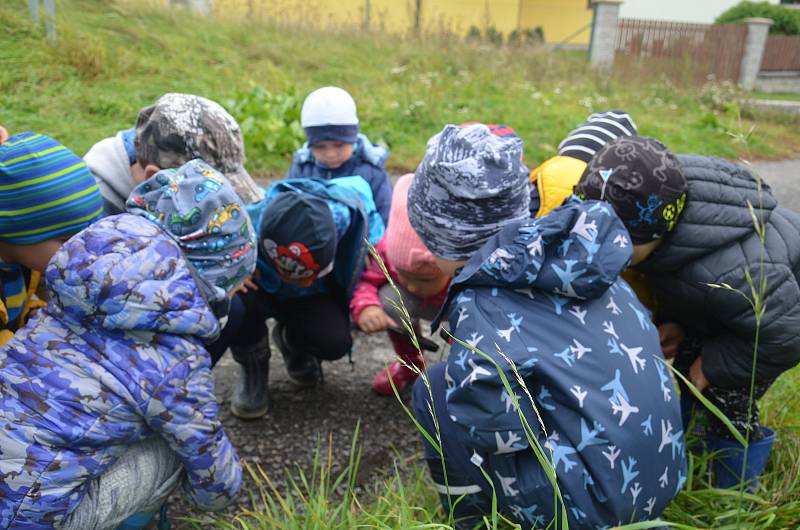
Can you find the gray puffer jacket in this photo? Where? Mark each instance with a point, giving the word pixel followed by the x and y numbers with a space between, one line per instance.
pixel 715 243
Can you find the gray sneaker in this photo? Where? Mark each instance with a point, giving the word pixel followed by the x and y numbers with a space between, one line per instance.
pixel 250 399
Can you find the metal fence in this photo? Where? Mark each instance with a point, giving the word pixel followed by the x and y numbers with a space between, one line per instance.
pixel 691 52
pixel 781 53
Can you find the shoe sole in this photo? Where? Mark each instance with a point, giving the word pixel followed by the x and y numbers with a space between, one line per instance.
pixel 303 384
pixel 248 414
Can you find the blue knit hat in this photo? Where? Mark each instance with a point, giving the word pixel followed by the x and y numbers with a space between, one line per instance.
pixel 470 184
pixel 197 206
pixel 46 191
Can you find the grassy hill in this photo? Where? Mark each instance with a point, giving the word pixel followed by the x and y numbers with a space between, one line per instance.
pixel 116 56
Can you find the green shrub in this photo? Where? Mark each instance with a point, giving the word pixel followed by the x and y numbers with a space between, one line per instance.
pixel 786 21
pixel 493 36
pixel 270 122
pixel 474 34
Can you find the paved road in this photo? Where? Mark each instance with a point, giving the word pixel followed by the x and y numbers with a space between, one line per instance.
pixel 784 178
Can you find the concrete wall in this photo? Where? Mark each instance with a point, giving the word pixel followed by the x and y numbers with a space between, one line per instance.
pixel 786 82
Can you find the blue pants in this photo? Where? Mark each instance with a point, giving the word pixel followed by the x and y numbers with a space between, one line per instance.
pixel 465 487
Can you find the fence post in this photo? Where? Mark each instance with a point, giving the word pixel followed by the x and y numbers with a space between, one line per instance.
pixel 33 7
pixel 754 46
pixel 604 32
pixel 50 19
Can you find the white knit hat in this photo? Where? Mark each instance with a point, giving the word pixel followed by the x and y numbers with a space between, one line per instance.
pixel 328 105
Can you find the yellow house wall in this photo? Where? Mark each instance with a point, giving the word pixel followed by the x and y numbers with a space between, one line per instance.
pixel 558 18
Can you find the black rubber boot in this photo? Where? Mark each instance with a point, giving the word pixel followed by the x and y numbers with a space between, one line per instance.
pixel 250 399
pixel 303 369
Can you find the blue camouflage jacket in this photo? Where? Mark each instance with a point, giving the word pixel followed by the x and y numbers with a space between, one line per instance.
pixel 116 357
pixel 367 162
pixel 356 219
pixel 545 295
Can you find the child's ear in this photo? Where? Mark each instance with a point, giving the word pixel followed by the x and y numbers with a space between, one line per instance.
pixel 3 135
pixel 150 170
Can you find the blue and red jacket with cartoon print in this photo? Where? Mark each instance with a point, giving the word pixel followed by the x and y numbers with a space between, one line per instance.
pixel 546 295
pixel 116 357
pixel 357 220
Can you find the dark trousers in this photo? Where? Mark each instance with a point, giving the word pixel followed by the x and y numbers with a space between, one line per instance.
pixel 317 325
pixel 733 402
pixel 235 317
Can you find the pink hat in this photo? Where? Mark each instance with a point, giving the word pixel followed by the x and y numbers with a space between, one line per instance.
pixel 404 248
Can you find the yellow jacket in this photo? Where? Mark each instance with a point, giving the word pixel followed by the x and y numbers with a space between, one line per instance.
pixel 555 179
pixel 31 302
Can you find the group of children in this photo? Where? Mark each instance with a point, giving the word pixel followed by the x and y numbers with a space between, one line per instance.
pixel 566 290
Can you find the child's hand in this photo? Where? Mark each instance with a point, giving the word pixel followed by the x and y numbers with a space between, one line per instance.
pixel 3 135
pixel 671 335
pixel 696 375
pixel 249 284
pixel 374 319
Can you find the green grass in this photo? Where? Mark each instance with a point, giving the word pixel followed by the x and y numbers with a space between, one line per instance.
pixel 407 500
pixel 117 56
pixel 777 96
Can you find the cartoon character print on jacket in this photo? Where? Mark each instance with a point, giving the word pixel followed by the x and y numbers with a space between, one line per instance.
pixel 545 295
pixel 293 261
pixel 116 357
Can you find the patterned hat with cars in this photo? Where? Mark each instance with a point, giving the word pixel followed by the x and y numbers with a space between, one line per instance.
pixel 182 127
pixel 197 206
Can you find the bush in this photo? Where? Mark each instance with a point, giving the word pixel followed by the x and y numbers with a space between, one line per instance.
pixel 534 36
pixel 270 122
pixel 786 21
pixel 474 35
pixel 493 36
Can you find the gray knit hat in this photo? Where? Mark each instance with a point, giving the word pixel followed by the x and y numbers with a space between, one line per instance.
pixel 469 185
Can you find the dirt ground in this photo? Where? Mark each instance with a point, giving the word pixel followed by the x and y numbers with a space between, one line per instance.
pixel 298 419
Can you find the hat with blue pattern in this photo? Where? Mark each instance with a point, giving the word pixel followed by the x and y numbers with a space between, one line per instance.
pixel 197 206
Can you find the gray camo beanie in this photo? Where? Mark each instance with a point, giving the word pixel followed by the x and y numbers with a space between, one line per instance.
pixel 470 184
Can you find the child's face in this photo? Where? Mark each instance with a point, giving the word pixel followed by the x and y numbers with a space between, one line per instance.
pixel 332 154
pixel 449 267
pixel 35 257
pixel 423 285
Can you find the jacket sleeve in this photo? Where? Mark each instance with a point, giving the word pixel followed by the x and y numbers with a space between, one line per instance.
pixel 294 169
pixel 382 192
pixel 477 399
pixel 184 411
pixel 372 279
pixel 728 356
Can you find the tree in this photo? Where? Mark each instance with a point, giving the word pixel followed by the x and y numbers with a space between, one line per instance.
pixel 785 21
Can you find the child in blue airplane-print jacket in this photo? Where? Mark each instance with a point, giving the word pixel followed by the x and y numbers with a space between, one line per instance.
pixel 545 295
pixel 106 396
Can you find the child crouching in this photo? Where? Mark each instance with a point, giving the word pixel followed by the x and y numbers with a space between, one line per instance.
pixel 421 283
pixel 544 294
pixel 108 391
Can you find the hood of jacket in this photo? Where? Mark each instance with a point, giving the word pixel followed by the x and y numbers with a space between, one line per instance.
pixel 124 273
pixel 577 251
pixel 717 212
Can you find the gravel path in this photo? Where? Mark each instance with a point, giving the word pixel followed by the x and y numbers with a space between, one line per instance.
pixel 287 436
